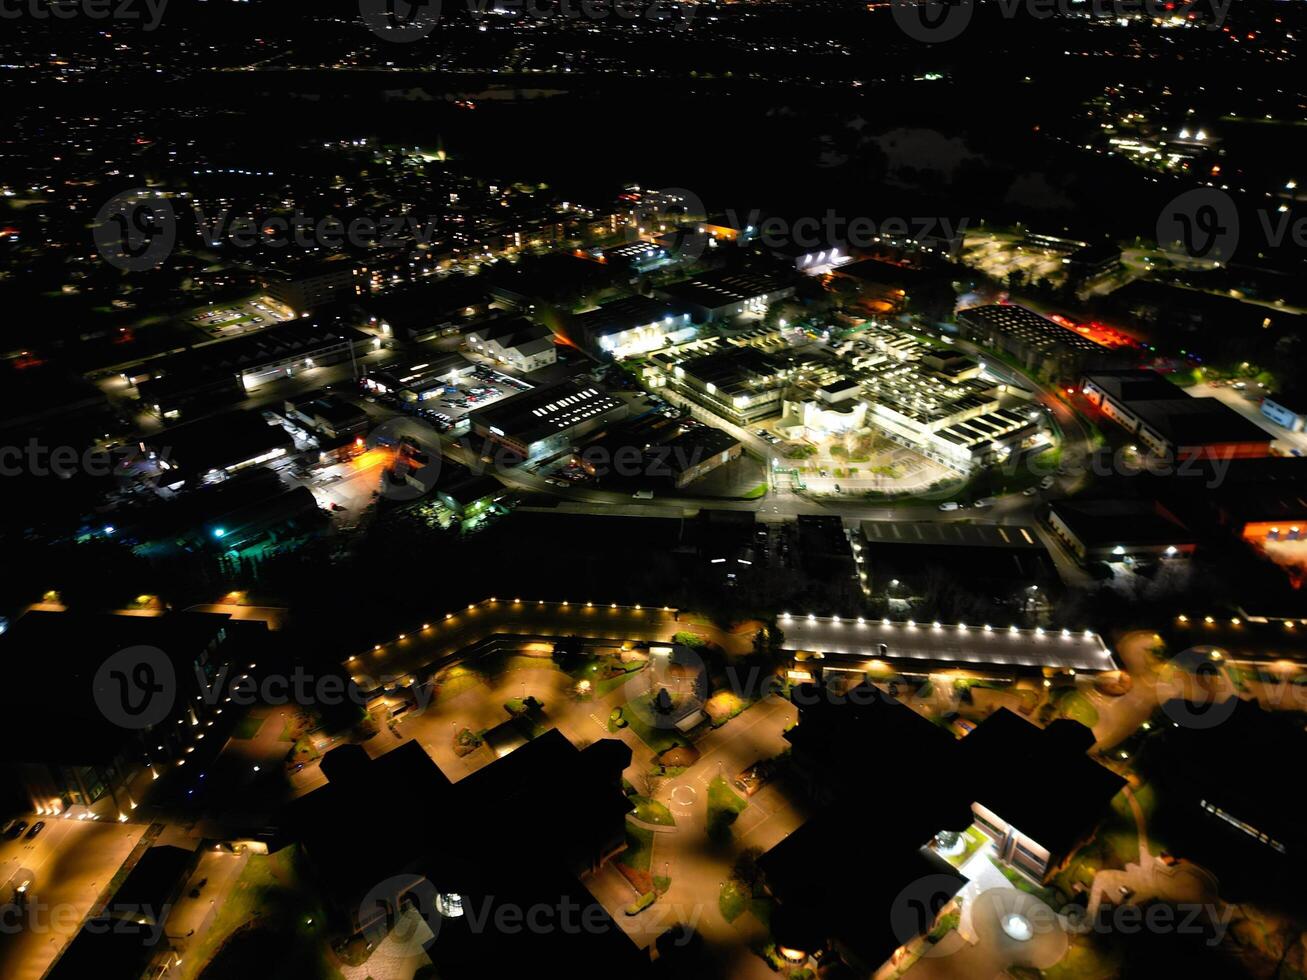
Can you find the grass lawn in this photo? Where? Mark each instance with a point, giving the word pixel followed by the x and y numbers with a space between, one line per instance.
pixel 759 491
pixel 733 900
pixel 659 739
pixel 249 726
pixel 724 806
pixel 639 848
pixel 972 840
pixel 651 811
pixel 1019 881
pixel 1076 706
pixel 723 706
pixel 1086 959
pixel 455 682
pixel 271 898
pixel 635 861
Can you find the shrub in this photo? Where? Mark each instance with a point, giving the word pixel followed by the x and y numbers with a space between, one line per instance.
pixel 641 903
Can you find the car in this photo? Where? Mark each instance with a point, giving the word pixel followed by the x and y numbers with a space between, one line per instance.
pixel 755 777
pixel 16 828
pixel 984 502
pixel 1029 491
pixel 950 505
pixel 1046 483
pixel 36 829
pixel 643 495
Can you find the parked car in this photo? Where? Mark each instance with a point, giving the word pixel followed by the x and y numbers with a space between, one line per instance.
pixel 1046 483
pixel 755 777
pixel 16 828
pixel 36 829
pixel 950 505
pixel 984 502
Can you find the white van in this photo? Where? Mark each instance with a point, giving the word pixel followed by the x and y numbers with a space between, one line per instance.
pixel 950 505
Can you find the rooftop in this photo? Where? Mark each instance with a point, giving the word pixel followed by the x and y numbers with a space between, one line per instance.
pixel 954 644
pixel 541 412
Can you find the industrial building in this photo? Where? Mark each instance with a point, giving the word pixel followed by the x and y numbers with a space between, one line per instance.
pixel 631 326
pixel 1037 343
pixel 726 293
pixel 1170 422
pixel 428 378
pixel 515 341
pixel 222 370
pixel 543 421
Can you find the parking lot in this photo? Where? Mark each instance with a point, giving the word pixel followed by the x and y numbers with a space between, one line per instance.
pixel 445 408
pixel 221 321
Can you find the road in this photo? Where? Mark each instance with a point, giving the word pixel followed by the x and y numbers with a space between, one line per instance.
pixel 73 861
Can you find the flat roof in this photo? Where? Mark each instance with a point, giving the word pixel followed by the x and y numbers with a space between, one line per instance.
pixel 1123 522
pixel 1029 327
pixel 542 412
pixel 950 534
pixel 623 314
pixel 714 290
pixel 948 644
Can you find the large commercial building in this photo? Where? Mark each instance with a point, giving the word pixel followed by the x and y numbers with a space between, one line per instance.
pixel 1003 776
pixel 1288 410
pixel 444 851
pixel 333 417
pixel 79 757
pixel 1171 423
pixel 431 309
pixel 227 367
pixel 631 326
pixel 742 384
pixel 515 341
pixel 544 421
pixel 1036 342
pixel 306 286
pixel 428 378
pixel 213 448
pixel 1116 530
pixel 725 294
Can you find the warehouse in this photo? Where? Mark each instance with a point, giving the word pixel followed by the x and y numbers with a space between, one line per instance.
pixel 543 421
